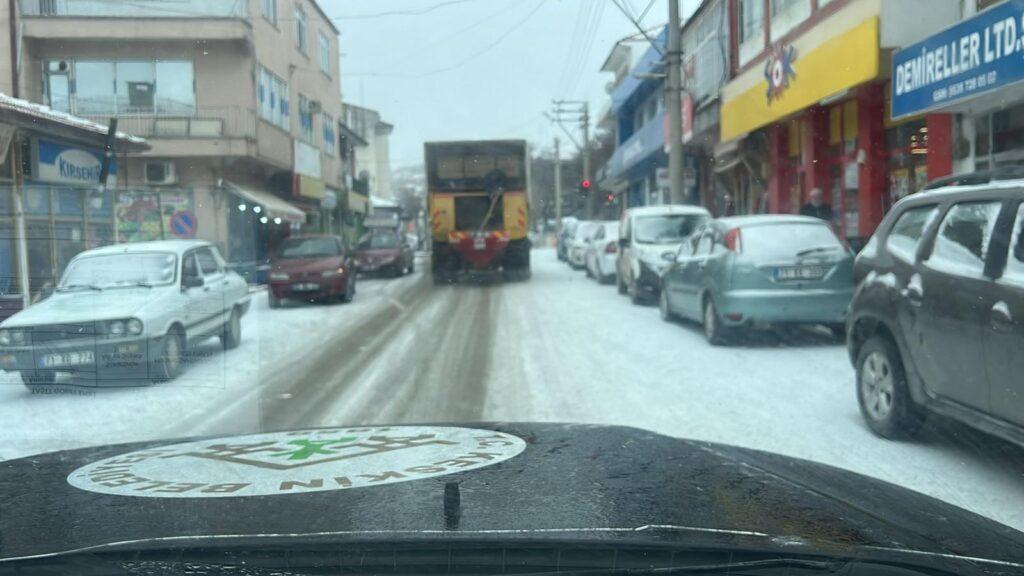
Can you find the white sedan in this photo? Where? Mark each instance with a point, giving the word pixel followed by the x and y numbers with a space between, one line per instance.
pixel 602 251
pixel 127 311
pixel 577 249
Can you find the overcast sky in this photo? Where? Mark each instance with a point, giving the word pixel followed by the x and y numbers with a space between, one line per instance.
pixel 470 69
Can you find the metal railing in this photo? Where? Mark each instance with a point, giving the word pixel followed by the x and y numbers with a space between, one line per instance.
pixel 203 122
pixel 136 8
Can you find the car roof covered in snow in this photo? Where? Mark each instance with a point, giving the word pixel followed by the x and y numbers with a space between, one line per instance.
pixel 666 209
pixel 176 246
pixel 759 219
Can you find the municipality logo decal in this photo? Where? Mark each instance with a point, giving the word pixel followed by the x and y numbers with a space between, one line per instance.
pixel 296 462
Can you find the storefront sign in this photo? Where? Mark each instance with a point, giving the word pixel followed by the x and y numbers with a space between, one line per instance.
pixel 824 68
pixel 309 187
pixel 976 56
pixel 65 164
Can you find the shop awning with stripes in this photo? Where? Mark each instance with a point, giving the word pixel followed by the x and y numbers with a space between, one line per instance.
pixel 273 206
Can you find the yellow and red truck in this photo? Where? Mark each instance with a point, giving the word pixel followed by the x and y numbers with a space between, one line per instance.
pixel 478 201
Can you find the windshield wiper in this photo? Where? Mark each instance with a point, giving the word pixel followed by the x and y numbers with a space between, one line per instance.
pixel 818 249
pixel 71 287
pixel 792 566
pixel 142 283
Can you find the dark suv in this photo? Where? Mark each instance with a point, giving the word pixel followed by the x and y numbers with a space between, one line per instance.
pixel 937 320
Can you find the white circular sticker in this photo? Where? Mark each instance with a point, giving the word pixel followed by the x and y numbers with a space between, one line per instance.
pixel 296 462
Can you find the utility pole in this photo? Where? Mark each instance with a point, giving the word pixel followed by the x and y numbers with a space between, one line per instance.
pixel 558 183
pixel 578 111
pixel 674 101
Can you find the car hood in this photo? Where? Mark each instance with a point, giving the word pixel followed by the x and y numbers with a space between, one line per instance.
pixel 379 253
pixel 84 306
pixel 651 253
pixel 499 482
pixel 294 265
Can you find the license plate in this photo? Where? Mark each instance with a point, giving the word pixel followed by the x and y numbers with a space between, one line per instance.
pixel 800 273
pixel 67 359
pixel 305 287
pixel 479 243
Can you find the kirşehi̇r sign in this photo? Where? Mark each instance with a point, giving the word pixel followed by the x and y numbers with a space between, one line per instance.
pixel 973 57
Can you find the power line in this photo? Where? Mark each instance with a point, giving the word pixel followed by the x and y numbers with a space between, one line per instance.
pixel 466 60
pixel 591 37
pixel 415 12
pixel 582 15
pixel 646 10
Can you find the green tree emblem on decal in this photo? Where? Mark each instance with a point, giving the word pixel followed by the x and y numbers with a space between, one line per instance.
pixel 309 448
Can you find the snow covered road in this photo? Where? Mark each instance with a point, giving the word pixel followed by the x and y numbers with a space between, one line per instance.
pixel 557 348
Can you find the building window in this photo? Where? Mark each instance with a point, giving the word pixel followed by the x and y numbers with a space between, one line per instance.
pixel 305 120
pixel 269 10
pixel 103 88
pixel 330 136
pixel 751 29
pixel 301 30
pixel 325 53
pixel 272 96
pixel 787 14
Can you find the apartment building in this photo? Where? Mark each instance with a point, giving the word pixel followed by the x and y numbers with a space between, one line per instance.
pixel 373 161
pixel 239 101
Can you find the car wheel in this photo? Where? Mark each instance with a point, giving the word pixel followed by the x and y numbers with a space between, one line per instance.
pixel 634 293
pixel 666 313
pixel 231 336
pixel 350 290
pixel 273 301
pixel 882 392
pixel 169 364
pixel 713 329
pixel 36 379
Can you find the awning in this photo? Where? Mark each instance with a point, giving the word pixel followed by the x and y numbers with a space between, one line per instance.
pixel 273 206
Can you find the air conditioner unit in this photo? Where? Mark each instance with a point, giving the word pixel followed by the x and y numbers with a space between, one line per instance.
pixel 160 173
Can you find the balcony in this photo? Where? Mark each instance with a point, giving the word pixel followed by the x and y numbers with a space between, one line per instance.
pixel 205 122
pixel 135 9
pixel 188 20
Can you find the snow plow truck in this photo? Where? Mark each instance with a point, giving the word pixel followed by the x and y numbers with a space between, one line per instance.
pixel 478 205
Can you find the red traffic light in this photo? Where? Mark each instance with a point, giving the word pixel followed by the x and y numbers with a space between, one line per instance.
pixel 585 184
pixel 611 197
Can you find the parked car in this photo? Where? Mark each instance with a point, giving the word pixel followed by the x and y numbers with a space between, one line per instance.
pixel 601 252
pixel 311 267
pixel 568 228
pixel 384 251
pixel 749 271
pixel 937 319
pixel 578 243
pixel 646 233
pixel 127 311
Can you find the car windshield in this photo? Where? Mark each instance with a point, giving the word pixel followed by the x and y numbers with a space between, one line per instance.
pixel 701 273
pixel 786 241
pixel 120 270
pixel 309 248
pixel 379 241
pixel 667 228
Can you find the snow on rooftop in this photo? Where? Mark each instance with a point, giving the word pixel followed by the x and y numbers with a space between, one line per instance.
pixel 379 202
pixel 47 113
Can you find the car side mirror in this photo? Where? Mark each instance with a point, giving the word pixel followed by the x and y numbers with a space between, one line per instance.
pixel 668 256
pixel 191 281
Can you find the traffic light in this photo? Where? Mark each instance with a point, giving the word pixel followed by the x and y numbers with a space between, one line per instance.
pixel 585 185
pixel 610 198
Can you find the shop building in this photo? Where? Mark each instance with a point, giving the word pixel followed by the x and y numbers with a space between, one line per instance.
pixel 807 107
pixel 239 101
pixel 705 43
pixel 51 204
pixel 373 160
pixel 638 107
pixel 976 77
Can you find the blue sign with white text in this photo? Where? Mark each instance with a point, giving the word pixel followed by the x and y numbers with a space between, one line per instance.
pixel 66 164
pixel 974 57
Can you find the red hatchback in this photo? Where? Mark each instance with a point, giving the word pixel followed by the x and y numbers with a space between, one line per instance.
pixel 314 267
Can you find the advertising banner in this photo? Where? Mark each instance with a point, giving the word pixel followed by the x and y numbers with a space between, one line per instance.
pixel 60 163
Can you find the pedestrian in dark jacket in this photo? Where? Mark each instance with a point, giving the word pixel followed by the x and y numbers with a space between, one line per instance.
pixel 816 207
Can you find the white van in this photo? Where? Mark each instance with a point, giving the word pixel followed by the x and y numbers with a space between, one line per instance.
pixel 645 233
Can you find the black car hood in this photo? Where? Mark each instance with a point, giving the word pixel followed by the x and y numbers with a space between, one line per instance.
pixel 558 482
